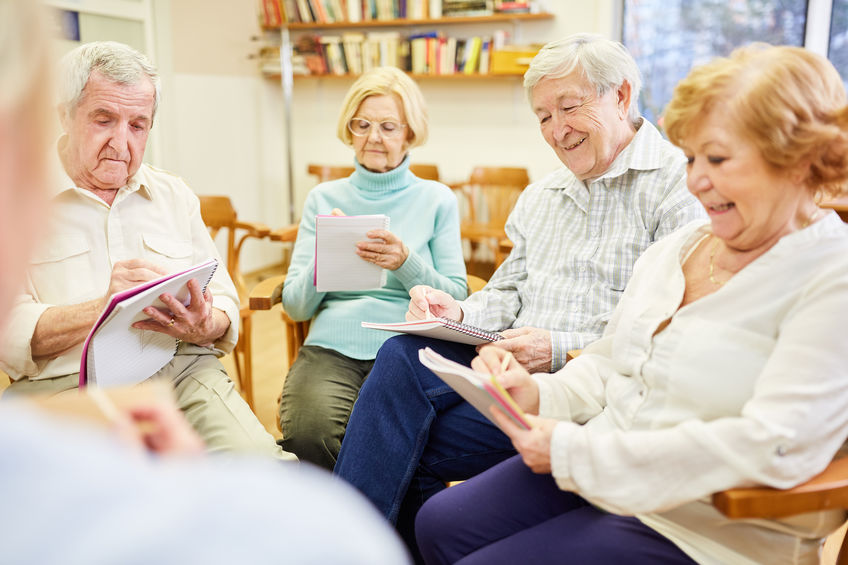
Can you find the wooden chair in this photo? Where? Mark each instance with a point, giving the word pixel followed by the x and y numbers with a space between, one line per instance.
pixel 489 196
pixel 838 204
pixel 270 291
pixel 331 172
pixel 218 214
pixel 425 171
pixel 826 491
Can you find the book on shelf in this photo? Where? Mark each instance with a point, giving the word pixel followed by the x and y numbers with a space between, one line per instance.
pixel 439 328
pixel 480 390
pixel 271 13
pixel 337 266
pixel 462 8
pixel 114 353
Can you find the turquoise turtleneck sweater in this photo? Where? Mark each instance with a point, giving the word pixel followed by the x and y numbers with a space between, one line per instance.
pixel 423 214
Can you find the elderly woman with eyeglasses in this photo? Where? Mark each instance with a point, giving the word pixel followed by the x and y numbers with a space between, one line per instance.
pixel 383 116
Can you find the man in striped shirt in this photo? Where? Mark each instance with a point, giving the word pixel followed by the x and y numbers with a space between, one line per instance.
pixel 576 234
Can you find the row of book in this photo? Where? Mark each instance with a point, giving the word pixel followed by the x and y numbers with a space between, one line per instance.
pixel 427 53
pixel 274 13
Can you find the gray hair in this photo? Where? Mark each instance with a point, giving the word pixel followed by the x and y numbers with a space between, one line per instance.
pixel 115 61
pixel 606 64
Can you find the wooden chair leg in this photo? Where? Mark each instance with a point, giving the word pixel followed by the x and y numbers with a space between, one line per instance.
pixel 246 376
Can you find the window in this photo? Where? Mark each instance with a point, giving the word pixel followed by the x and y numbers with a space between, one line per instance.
pixel 668 37
pixel 838 47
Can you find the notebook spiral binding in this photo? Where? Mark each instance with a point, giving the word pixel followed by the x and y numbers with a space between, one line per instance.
pixel 470 330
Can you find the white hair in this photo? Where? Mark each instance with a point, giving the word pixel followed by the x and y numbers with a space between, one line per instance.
pixel 606 64
pixel 115 61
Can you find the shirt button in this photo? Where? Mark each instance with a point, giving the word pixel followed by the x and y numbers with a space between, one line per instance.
pixel 781 450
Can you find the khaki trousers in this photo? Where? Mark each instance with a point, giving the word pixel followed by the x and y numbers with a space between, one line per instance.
pixel 205 394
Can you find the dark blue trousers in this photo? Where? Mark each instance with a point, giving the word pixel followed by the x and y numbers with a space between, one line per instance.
pixel 511 515
pixel 410 433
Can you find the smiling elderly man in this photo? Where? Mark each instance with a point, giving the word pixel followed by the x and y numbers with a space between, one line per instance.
pixel 576 234
pixel 116 223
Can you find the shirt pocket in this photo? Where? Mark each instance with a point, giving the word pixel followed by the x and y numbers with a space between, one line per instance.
pixel 168 251
pixel 62 273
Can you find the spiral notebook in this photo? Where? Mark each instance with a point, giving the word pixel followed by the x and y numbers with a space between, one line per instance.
pixel 337 266
pixel 480 390
pixel 115 353
pixel 440 328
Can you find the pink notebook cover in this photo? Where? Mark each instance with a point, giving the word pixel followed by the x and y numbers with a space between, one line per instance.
pixel 119 297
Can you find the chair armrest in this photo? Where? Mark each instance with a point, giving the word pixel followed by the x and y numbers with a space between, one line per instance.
pixel 267 293
pixel 827 490
pixel 286 233
pixel 254 229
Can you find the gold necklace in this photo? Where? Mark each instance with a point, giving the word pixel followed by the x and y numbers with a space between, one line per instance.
pixel 812 218
pixel 712 264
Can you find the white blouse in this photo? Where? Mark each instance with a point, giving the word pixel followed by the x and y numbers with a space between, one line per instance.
pixel 745 386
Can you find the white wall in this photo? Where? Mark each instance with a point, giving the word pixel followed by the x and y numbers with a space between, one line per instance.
pixel 222 124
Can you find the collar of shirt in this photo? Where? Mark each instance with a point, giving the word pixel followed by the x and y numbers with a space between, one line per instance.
pixel 63 182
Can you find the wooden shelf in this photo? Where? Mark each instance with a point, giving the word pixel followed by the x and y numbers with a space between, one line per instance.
pixel 494 18
pixel 417 76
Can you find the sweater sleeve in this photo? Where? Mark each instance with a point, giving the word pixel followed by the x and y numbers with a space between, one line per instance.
pixel 447 272
pixel 300 299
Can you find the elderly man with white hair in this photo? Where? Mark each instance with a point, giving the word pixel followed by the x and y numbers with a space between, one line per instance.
pixel 576 235
pixel 117 223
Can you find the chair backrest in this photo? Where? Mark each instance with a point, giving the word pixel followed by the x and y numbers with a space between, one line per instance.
pixel 329 172
pixel 425 171
pixel 492 193
pixel 218 213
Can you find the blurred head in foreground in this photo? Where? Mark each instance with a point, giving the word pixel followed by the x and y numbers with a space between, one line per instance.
pixel 24 138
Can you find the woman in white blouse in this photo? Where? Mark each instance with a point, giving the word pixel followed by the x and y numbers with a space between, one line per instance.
pixel 722 366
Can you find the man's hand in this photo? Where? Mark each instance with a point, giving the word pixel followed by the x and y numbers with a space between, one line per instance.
pixel 425 301
pixel 127 274
pixel 530 346
pixel 383 248
pixel 199 323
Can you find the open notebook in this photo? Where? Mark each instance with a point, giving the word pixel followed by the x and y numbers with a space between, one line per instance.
pixel 480 390
pixel 337 266
pixel 115 353
pixel 440 328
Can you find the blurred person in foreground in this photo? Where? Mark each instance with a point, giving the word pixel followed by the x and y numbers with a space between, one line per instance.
pixel 117 222
pixel 576 234
pixel 383 117
pixel 723 364
pixel 79 494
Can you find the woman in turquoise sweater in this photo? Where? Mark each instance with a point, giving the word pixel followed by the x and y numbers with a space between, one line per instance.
pixel 383 116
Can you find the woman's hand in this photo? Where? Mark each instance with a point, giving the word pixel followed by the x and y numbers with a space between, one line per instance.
pixel 383 248
pixel 425 301
pixel 500 363
pixel 534 445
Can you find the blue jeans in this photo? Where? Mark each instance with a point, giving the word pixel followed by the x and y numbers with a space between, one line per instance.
pixel 410 433
pixel 511 515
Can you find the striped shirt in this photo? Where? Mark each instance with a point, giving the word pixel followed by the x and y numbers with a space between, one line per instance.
pixel 574 246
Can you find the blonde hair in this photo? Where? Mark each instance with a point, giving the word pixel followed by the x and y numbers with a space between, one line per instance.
pixel 788 101
pixel 386 81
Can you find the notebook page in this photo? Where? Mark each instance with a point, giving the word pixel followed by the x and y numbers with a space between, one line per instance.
pixel 117 354
pixel 337 266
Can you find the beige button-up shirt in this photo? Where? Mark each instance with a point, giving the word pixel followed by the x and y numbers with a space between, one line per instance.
pixel 155 217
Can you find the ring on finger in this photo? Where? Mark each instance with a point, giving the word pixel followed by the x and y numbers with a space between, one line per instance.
pixel 171 323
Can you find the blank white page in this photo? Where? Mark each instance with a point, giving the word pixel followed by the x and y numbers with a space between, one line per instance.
pixel 337 266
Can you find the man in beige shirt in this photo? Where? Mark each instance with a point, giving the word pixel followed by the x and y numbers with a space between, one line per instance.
pixel 116 223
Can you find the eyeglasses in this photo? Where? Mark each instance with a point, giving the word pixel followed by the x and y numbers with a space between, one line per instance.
pixel 361 126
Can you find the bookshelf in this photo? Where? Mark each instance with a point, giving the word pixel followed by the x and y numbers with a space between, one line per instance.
pixel 414 26
pixel 324 49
